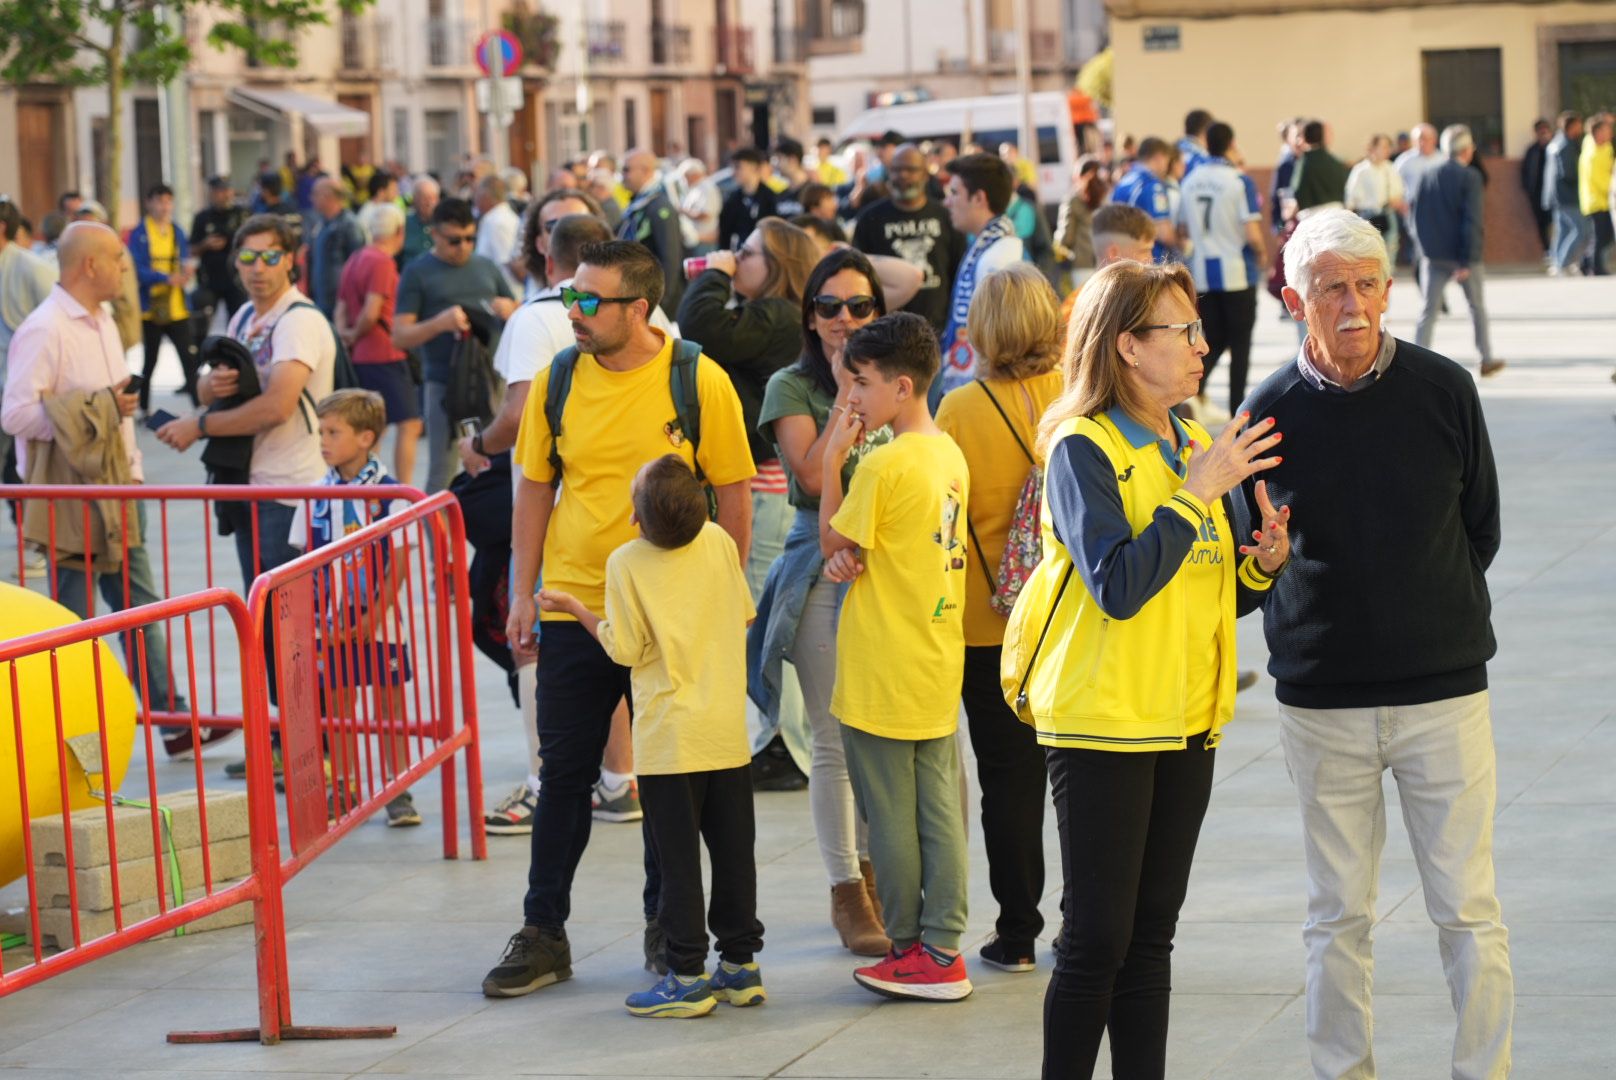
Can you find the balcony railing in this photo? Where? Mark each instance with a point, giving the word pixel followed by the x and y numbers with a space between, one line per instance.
pixel 367 44
pixel 448 43
pixel 790 44
pixel 1045 47
pixel 671 46
pixel 734 53
pixel 608 41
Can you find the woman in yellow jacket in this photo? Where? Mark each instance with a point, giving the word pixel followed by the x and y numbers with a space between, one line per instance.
pixel 1135 674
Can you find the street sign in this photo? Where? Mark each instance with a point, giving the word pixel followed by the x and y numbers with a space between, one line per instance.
pixel 510 95
pixel 499 49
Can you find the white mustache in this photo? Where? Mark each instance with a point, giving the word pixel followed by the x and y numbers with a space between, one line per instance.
pixel 1352 324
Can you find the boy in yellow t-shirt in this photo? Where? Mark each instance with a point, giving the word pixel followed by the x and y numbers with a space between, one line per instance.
pixel 899 535
pixel 677 607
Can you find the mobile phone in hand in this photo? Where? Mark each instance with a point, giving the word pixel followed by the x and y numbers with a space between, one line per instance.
pixel 157 419
pixel 134 384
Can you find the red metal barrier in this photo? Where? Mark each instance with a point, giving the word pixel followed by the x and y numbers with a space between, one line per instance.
pixel 369 641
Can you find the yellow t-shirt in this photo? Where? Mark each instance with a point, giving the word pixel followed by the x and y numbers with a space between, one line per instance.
pixel 999 471
pixel 678 618
pixel 900 646
pixel 1205 578
pixel 614 422
pixel 165 259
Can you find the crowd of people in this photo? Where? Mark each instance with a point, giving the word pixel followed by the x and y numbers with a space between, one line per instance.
pixel 798 462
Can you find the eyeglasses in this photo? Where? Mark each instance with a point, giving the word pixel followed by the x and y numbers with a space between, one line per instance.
pixel 1192 330
pixel 588 303
pixel 457 241
pixel 858 307
pixel 270 258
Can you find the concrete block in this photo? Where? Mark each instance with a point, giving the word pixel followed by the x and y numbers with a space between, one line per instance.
pixel 227 820
pixel 56 924
pixel 137 878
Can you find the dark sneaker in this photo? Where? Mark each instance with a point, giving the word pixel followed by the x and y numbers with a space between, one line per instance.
pixel 513 816
pixel 676 997
pixel 179 746
pixel 1491 367
pixel 616 804
pixel 1007 956
pixel 533 959
pixel 655 945
pixel 738 984
pixel 237 770
pixel 773 769
pixel 401 812
pixel 1245 681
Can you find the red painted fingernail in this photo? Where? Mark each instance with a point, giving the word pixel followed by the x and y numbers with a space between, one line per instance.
pixel 1277 460
pixel 1278 436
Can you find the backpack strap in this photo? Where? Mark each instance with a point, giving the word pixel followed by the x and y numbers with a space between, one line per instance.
pixel 686 398
pixel 556 389
pixel 1006 417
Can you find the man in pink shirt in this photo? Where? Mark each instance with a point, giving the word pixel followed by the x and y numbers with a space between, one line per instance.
pixel 70 343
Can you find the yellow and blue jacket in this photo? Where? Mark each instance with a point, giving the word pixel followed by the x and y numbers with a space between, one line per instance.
pixel 1096 653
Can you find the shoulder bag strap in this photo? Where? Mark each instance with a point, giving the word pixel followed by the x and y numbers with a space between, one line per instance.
pixel 1006 418
pixel 556 389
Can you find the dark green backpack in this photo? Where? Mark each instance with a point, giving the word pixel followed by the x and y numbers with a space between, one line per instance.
pixel 681 383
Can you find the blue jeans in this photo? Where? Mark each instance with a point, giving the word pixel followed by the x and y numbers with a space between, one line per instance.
pixel 1571 231
pixel 274 549
pixel 72 592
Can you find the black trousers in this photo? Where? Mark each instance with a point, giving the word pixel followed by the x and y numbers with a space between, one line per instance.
pixel 1011 772
pixel 578 689
pixel 179 332
pixel 1228 319
pixel 683 810
pixel 1545 226
pixel 1128 827
pixel 1598 260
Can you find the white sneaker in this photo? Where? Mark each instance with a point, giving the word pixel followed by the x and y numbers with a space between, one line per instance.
pixel 514 815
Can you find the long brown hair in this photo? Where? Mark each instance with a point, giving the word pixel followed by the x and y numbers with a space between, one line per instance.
pixel 790 254
pixel 1113 302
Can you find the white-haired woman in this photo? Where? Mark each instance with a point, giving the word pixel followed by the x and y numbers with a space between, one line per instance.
pixel 366 295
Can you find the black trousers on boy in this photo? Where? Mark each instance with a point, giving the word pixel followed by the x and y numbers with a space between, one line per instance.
pixel 179 332
pixel 681 811
pixel 1014 779
pixel 1128 827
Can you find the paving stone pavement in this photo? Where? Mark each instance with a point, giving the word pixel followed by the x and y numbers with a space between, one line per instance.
pixel 382 930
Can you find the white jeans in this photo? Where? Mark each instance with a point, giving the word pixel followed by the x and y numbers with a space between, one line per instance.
pixel 1441 755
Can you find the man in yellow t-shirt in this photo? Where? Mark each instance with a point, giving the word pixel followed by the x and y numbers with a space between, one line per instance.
pixel 900 536
pixel 619 414
pixel 162 257
pixel 677 607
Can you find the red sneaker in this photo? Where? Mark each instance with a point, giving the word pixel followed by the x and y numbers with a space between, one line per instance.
pixel 916 974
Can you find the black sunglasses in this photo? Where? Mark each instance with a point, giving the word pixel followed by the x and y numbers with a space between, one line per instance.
pixel 457 241
pixel 859 307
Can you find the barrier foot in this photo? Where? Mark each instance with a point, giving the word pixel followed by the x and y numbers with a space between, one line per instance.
pixel 290 1031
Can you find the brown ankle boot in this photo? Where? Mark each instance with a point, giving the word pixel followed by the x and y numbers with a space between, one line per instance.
pixel 855 922
pixel 867 868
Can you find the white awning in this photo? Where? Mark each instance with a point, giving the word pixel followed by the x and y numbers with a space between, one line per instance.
pixel 323 115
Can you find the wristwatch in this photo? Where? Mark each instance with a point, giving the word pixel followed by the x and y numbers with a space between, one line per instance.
pixel 202 424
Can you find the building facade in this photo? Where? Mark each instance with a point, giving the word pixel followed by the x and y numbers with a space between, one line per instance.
pixel 398 82
pixel 1369 67
pixel 862 53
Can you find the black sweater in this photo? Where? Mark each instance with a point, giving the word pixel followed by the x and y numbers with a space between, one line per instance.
pixel 1395 519
pixel 751 342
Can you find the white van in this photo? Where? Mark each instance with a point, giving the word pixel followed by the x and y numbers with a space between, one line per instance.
pixel 988 121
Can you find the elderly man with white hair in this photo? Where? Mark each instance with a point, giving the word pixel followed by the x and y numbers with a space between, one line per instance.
pixel 1379 634
pixel 1445 204
pixel 424 195
pixel 366 298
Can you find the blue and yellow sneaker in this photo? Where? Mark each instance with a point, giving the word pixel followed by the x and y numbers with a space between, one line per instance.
pixel 738 984
pixel 676 997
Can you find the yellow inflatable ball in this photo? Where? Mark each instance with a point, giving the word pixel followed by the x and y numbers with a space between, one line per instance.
pixel 23 612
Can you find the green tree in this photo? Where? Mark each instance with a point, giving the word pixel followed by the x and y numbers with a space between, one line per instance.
pixel 113 43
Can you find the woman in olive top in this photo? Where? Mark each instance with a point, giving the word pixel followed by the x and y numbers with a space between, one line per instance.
pixel 1014 322
pixel 1135 676
pixel 796 616
pixel 751 341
